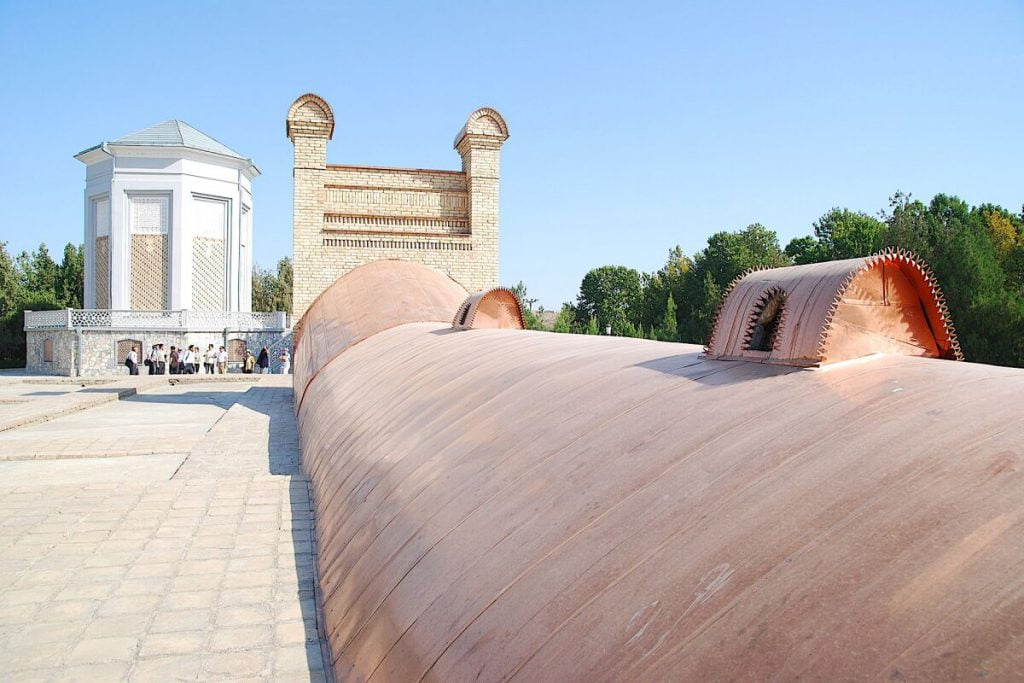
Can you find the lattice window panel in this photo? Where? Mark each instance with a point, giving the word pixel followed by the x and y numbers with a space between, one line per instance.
pixel 211 217
pixel 102 217
pixel 236 350
pixel 209 254
pixel 209 273
pixel 149 214
pixel 149 273
pixel 47 350
pixel 101 275
pixel 126 345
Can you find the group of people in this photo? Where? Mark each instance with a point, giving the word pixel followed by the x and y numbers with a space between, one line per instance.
pixel 187 361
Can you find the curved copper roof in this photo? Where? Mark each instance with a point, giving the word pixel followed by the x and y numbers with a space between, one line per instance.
pixel 366 300
pixel 496 308
pixel 839 310
pixel 542 507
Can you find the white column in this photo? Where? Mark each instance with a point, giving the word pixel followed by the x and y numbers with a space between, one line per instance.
pixel 245 276
pixel 120 247
pixel 232 247
pixel 89 248
pixel 181 249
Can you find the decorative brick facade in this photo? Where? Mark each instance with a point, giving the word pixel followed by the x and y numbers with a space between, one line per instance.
pixel 346 216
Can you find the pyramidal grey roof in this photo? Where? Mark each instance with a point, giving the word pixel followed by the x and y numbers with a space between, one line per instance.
pixel 174 133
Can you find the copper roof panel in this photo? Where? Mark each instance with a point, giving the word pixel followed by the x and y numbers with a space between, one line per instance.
pixel 510 504
pixel 368 299
pixel 887 303
pixel 491 309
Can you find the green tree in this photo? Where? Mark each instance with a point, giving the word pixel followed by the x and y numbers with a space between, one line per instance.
pixel 986 307
pixel 668 330
pixel 844 234
pixel 669 280
pixel 612 295
pixel 531 319
pixel 1006 230
pixel 284 285
pixel 12 334
pixel 10 282
pixel 727 255
pixel 273 291
pixel 592 326
pixel 262 289
pixel 71 277
pixel 631 330
pixel 39 272
pixel 565 320
pixel 804 250
pixel 908 226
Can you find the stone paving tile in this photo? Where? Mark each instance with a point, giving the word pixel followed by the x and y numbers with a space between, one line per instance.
pixel 205 574
pixel 26 403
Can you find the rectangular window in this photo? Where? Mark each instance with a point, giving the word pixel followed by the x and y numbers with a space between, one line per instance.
pixel 149 214
pixel 101 252
pixel 148 222
pixel 209 253
pixel 101 216
pixel 211 218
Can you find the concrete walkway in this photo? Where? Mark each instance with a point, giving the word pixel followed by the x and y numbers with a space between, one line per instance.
pixel 190 557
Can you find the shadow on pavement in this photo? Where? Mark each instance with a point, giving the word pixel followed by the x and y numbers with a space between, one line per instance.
pixel 283 460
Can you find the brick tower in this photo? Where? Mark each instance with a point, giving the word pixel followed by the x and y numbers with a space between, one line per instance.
pixel 345 216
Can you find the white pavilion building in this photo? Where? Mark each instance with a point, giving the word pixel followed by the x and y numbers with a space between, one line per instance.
pixel 168 257
pixel 168 222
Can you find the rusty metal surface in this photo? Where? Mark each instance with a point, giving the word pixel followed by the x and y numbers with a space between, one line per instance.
pixel 543 507
pixel 839 310
pixel 491 309
pixel 365 301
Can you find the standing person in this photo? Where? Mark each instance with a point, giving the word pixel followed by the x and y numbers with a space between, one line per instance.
pixel 210 359
pixel 286 361
pixel 132 361
pixel 196 359
pixel 151 361
pixel 186 361
pixel 250 362
pixel 222 361
pixel 264 361
pixel 161 360
pixel 175 361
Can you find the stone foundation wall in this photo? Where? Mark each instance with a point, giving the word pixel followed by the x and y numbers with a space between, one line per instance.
pixel 99 348
pixel 64 352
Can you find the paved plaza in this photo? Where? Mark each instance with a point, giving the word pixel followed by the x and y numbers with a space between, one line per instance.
pixel 163 534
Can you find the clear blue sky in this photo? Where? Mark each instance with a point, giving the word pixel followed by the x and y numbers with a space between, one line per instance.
pixel 634 126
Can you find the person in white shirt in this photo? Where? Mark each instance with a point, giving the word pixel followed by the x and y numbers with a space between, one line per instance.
pixel 210 359
pixel 222 361
pixel 132 361
pixel 154 356
pixel 286 362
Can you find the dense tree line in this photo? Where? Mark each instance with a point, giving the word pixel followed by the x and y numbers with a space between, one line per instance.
pixel 35 282
pixel 976 252
pixel 272 291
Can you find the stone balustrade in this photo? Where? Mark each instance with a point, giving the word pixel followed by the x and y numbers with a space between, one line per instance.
pixel 179 321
